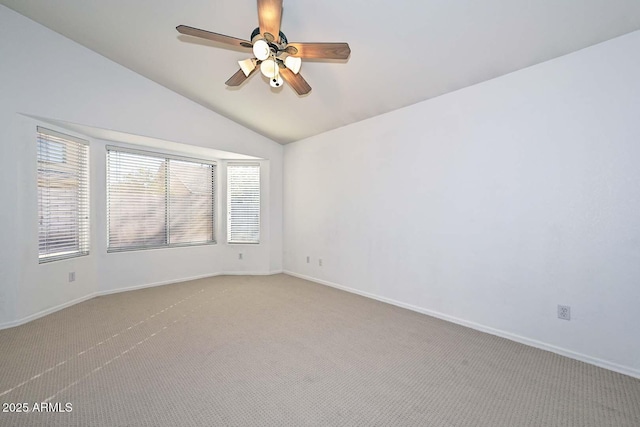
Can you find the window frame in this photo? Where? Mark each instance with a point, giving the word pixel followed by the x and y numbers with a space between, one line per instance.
pixel 166 157
pixel 228 200
pixel 82 218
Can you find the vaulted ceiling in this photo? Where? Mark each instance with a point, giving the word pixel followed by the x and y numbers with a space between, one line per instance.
pixel 403 52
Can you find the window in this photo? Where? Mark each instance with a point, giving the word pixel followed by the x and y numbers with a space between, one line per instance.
pixel 156 200
pixel 63 196
pixel 243 203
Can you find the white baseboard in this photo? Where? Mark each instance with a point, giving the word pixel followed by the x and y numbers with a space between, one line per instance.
pixel 59 307
pixel 250 273
pixel 46 312
pixel 154 284
pixel 626 370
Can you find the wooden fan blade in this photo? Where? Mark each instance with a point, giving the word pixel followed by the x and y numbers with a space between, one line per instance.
pixel 319 50
pixel 296 81
pixel 237 79
pixel 269 15
pixel 220 38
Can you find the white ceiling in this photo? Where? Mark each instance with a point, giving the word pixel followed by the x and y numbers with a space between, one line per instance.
pixel 402 52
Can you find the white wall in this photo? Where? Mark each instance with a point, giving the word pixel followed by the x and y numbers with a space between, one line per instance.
pixel 489 206
pixel 44 74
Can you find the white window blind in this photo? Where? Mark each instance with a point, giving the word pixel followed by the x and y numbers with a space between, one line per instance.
pixel 243 203
pixel 191 187
pixel 156 200
pixel 63 196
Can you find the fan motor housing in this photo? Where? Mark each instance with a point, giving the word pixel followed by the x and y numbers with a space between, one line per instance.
pixel 283 38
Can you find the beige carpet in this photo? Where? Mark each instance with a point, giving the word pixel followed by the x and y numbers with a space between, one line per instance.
pixel 280 351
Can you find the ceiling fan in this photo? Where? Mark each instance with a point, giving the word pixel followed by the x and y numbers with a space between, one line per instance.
pixel 277 59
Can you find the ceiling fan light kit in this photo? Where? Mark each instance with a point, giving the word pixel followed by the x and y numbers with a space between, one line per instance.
pixel 279 60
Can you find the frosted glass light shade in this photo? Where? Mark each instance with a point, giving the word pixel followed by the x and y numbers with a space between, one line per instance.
pixel 293 63
pixel 261 49
pixel 269 68
pixel 247 66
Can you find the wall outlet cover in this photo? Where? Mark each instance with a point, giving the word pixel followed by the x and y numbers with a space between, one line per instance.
pixel 564 312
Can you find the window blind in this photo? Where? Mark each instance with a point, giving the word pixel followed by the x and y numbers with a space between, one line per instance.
pixel 191 187
pixel 63 196
pixel 155 200
pixel 243 203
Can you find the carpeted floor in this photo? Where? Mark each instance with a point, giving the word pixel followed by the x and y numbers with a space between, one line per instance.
pixel 280 351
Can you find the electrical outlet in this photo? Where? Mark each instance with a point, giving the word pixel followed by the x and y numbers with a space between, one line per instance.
pixel 308 259
pixel 320 262
pixel 72 276
pixel 240 255
pixel 564 312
